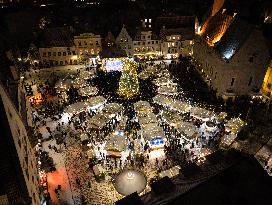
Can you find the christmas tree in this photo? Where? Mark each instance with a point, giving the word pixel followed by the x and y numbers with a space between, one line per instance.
pixel 128 84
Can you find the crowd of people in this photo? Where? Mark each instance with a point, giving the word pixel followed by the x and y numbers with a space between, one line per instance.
pixel 51 123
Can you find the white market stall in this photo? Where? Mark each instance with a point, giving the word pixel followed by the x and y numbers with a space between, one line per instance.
pixel 188 130
pixel 168 90
pixel 115 145
pixel 76 108
pixel 234 125
pixel 201 113
pixel 142 106
pixel 112 110
pixel 163 100
pixel 180 106
pixel 96 102
pixel 88 91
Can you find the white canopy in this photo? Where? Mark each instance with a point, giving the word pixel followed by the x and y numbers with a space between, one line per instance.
pixel 142 106
pixel 111 109
pixel 168 90
pixel 180 106
pixel 163 100
pixel 96 102
pixel 201 113
pixel 227 139
pixel 76 108
pixel 171 118
pixel 116 143
pixel 146 118
pixel 162 81
pixel 188 129
pixel 234 125
pixel 98 121
pixel 88 91
pixel 151 131
pixel 86 74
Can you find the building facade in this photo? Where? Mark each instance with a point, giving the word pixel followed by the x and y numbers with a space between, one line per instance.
pixel 176 42
pixel 55 56
pixel 146 44
pixel 124 41
pixel 26 147
pixel 231 55
pixel 87 44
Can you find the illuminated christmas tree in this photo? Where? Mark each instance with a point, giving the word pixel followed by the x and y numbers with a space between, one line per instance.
pixel 128 84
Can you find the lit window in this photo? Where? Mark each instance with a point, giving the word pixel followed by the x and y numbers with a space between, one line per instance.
pixel 174 37
pixel 146 20
pixel 149 26
pixel 149 20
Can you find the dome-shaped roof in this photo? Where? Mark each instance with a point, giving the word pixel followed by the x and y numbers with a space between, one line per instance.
pixel 130 181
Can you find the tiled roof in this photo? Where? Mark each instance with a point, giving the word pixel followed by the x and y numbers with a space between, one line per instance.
pixel 57 37
pixel 216 26
pixel 234 38
pixel 186 33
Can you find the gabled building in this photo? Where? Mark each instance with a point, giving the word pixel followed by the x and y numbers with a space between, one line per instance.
pixel 57 47
pixel 177 42
pixel 146 44
pixel 124 41
pixel 87 44
pixel 177 35
pixel 231 54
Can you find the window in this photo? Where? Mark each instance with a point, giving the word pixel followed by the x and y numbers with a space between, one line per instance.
pixel 148 42
pixel 49 53
pixel 146 20
pixel 251 60
pixel 157 42
pixel 61 62
pixel 149 37
pixel 97 43
pixel 69 53
pixel 64 53
pixel 232 81
pixel 250 81
pixel 139 43
pixel 143 37
pixel 74 53
pixel 59 53
pixel 44 54
pixel 143 43
pixel 79 43
pixel 174 37
pixel 85 43
pixel 152 42
pixel 54 53
pixel 149 26
pixel 149 20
